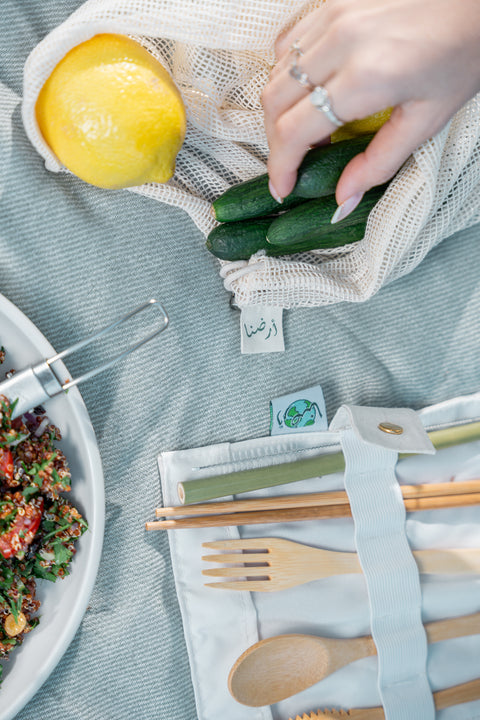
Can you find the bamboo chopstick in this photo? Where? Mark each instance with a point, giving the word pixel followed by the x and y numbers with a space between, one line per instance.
pixel 336 497
pixel 240 481
pixel 253 518
pixel 306 513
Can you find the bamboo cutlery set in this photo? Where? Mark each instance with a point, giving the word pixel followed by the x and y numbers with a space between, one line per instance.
pixel 281 666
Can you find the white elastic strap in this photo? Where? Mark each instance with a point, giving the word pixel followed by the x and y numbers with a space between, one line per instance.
pixel 392 579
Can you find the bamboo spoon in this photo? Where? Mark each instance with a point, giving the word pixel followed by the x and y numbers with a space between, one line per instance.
pixel 285 563
pixel 278 667
pixel 466 692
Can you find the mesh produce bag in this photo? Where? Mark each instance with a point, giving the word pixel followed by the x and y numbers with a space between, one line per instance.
pixel 220 53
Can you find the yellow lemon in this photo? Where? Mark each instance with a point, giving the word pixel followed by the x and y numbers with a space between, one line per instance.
pixel 367 125
pixel 112 114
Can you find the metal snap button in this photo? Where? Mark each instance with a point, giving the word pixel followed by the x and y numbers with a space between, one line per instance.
pixel 390 428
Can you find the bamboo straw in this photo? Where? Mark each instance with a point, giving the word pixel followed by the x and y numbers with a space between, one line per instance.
pixel 337 497
pixel 202 489
pixel 306 513
pixel 234 483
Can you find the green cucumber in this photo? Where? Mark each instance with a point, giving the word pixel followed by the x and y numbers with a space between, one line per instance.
pixel 310 222
pixel 317 176
pixel 238 240
pixel 321 167
pixel 248 200
pixel 333 236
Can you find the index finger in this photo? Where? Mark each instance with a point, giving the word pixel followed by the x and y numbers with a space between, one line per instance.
pixel 291 136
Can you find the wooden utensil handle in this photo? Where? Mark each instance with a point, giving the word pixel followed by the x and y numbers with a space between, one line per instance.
pixel 453 627
pixel 466 692
pixel 348 650
pixel 323 563
pixel 318 563
pixel 463 561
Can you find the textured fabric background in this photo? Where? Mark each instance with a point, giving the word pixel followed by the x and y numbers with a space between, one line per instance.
pixel 71 256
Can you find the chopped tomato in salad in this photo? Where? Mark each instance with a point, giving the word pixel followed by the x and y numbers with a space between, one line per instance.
pixel 38 525
pixel 24 527
pixel 6 464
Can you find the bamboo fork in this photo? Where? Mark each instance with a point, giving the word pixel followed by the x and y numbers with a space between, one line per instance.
pixel 285 564
pixel 466 692
pixel 290 508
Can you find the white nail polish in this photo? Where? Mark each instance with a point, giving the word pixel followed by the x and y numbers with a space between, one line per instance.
pixel 346 208
pixel 274 193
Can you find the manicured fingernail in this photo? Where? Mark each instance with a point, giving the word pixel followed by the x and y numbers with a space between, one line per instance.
pixel 346 208
pixel 274 193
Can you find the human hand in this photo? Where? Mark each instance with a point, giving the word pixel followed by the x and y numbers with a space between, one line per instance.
pixel 421 58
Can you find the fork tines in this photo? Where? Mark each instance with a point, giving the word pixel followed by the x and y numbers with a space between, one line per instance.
pixel 254 563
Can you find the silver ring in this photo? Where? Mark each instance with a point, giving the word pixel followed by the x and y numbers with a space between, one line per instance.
pixel 299 75
pixel 296 71
pixel 295 47
pixel 321 101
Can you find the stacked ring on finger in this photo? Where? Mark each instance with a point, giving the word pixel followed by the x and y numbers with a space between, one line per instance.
pixel 319 96
pixel 321 101
pixel 295 47
pixel 295 71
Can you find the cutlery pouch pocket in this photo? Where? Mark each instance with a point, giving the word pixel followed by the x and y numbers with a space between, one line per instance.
pixel 220 625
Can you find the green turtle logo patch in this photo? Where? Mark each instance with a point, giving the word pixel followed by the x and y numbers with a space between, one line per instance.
pixel 301 413
pixel 298 412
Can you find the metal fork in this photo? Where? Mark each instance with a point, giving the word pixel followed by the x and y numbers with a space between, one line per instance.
pixel 277 564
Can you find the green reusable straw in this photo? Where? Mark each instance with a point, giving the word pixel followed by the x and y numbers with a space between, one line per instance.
pixel 234 483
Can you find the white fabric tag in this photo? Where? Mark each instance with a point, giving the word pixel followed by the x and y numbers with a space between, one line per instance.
pixel 398 429
pixel 298 412
pixel 261 329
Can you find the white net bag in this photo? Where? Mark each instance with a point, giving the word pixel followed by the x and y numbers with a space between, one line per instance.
pixel 220 53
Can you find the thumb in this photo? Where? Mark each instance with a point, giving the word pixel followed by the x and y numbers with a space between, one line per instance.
pixel 408 127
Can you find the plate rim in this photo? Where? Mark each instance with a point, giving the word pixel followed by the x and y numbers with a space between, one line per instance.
pixel 96 523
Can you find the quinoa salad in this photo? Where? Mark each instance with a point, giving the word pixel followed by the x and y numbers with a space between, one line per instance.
pixel 38 525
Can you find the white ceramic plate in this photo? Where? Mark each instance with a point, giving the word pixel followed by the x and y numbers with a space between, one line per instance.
pixel 64 602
